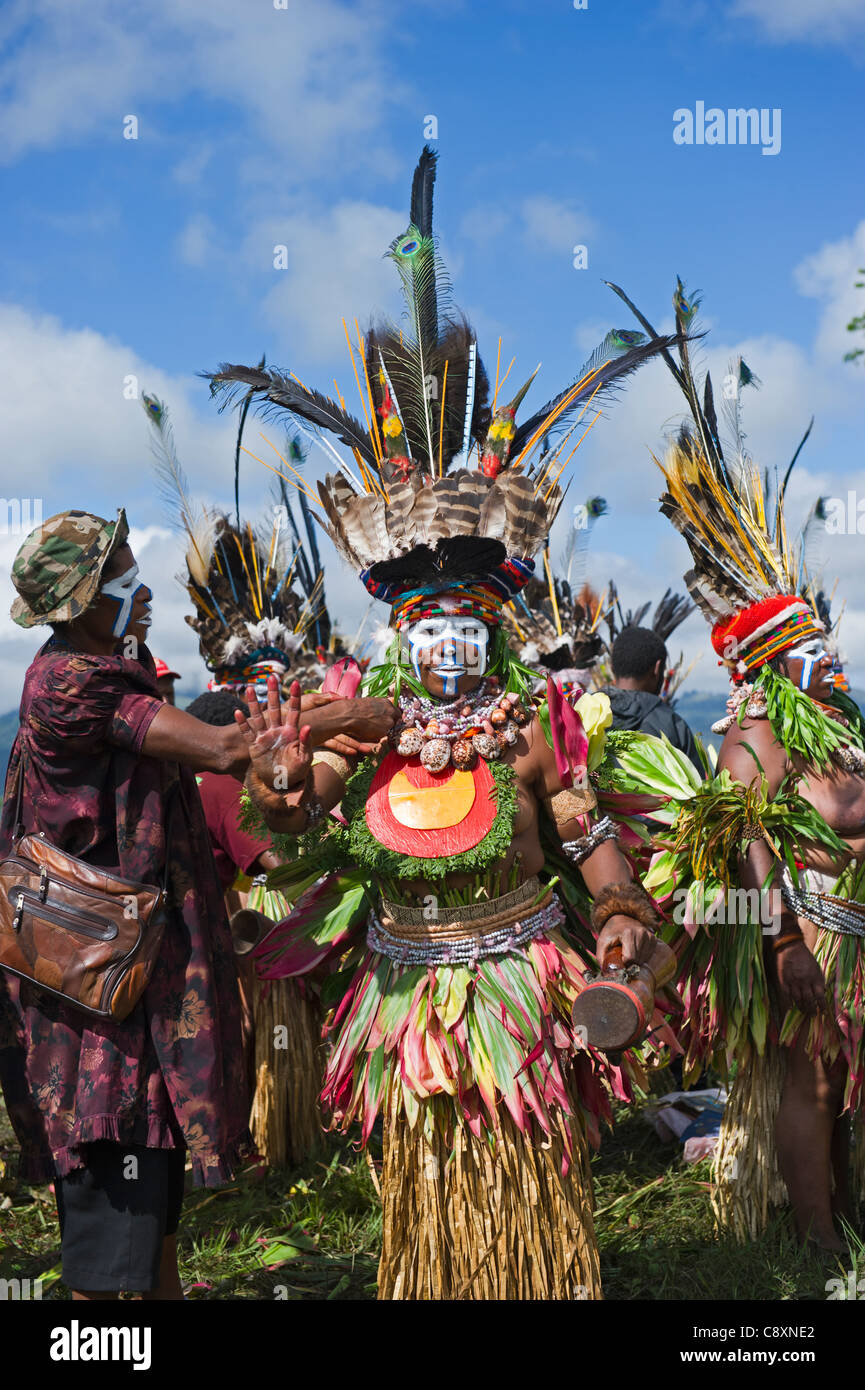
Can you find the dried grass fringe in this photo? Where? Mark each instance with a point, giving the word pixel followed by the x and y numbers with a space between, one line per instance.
pixel 746 1180
pixel 285 1118
pixel 462 1220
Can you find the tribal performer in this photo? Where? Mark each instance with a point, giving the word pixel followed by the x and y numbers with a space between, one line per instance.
pixel 777 985
pixel 455 1020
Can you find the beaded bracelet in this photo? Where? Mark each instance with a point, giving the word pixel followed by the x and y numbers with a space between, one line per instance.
pixel 578 850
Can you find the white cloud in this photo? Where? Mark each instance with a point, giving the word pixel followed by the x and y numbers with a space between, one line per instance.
pixel 554 224
pixel 830 276
pixel 817 21
pixel 72 440
pixel 69 432
pixel 191 168
pixel 311 80
pixel 336 269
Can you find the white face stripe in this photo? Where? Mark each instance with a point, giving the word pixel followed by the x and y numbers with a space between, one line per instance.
pixel 428 633
pixel 809 653
pixel 123 589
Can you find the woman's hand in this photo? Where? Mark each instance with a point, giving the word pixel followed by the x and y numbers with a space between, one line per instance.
pixel 800 978
pixel 637 942
pixel 280 750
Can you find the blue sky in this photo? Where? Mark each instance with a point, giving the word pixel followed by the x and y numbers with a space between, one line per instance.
pixel 301 126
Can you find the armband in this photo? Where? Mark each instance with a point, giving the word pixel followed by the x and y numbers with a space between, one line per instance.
pixel 571 803
pixel 335 760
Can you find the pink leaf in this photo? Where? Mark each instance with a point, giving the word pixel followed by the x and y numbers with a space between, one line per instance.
pixel 343 678
pixel 570 745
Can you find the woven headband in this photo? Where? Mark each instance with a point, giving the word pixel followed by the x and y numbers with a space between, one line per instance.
pixel 801 625
pixel 474 601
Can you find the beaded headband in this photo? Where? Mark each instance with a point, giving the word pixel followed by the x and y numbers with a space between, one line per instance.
pixel 800 626
pixel 474 601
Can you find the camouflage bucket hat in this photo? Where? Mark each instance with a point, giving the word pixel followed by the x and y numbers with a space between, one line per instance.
pixel 58 569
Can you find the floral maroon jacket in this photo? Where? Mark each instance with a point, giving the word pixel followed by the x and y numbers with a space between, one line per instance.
pixel 171 1073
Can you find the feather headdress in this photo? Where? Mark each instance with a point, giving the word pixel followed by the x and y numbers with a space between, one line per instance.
pixel 444 487
pixel 746 572
pixel 555 622
pixel 258 594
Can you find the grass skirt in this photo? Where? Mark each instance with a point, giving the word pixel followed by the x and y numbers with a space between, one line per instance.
pixel 285 1118
pixel 746 1181
pixel 489 1106
pixel 481 1218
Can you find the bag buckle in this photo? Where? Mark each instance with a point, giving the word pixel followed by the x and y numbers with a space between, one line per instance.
pixel 43 884
pixel 19 913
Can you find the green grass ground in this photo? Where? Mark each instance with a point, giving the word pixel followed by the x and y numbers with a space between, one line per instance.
pixel 315 1232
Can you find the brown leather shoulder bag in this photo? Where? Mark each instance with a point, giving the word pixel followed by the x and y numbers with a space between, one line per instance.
pixel 75 930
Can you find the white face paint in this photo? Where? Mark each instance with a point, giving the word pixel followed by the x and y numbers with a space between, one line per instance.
pixel 809 653
pixel 441 637
pixel 123 590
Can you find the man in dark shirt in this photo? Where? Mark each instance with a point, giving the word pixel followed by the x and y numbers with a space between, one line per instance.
pixel 638 660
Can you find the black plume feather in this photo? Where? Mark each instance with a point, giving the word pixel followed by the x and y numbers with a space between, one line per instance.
pixel 455 559
pixel 607 379
pixel 281 392
pixel 671 610
pixel 400 363
pixel 421 213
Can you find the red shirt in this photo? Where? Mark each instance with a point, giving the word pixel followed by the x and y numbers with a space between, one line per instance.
pixel 233 848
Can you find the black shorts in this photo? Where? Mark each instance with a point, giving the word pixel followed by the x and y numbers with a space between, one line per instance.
pixel 115 1213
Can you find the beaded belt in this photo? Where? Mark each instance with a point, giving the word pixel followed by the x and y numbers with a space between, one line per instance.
pixel 462 935
pixel 825 910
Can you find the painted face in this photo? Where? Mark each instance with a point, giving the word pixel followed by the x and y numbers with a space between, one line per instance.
pixel 123 590
pixel 817 665
pixel 448 647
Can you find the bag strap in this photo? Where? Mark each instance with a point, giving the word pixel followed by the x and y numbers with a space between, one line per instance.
pixel 174 794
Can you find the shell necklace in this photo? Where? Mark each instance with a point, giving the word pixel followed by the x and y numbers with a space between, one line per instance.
pixel 481 724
